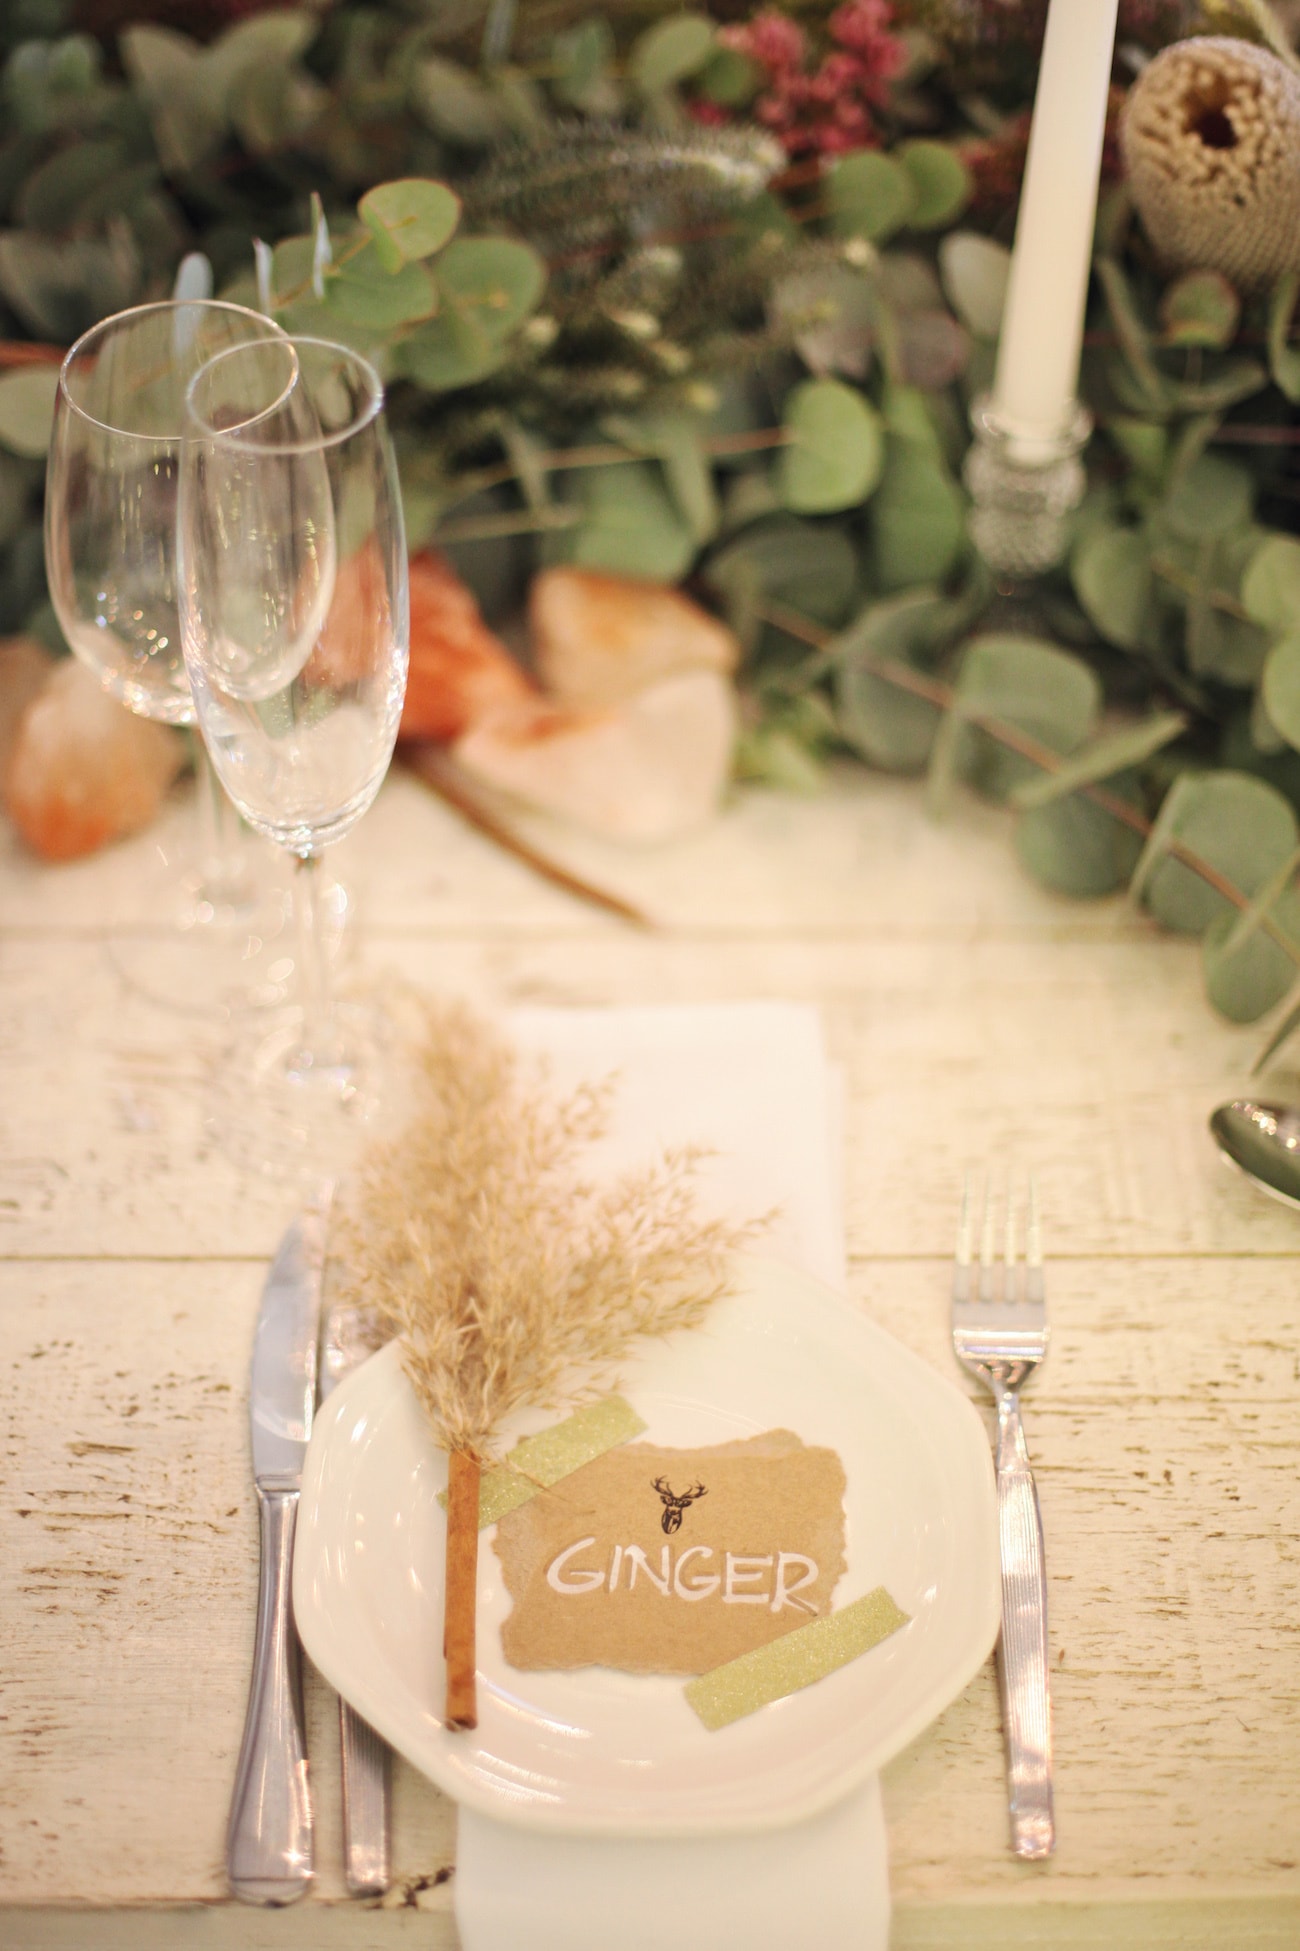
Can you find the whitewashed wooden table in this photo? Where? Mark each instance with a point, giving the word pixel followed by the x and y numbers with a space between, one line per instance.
pixel 970 1012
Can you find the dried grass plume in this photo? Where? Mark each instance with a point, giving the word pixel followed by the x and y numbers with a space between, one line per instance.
pixel 511 1279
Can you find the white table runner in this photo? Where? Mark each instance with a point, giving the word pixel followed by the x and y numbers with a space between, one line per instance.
pixel 751 1082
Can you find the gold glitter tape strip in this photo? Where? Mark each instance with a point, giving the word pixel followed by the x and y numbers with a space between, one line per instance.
pixel 539 1461
pixel 784 1665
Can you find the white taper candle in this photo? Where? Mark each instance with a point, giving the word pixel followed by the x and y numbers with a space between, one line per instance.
pixel 1037 371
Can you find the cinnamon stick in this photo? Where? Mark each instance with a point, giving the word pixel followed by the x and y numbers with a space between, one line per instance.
pixel 461 1590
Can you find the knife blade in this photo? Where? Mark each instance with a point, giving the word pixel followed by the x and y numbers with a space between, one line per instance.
pixel 269 1840
pixel 347 1339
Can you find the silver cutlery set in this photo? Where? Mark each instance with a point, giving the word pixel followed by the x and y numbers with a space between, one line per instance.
pixel 269 1843
pixel 999 1333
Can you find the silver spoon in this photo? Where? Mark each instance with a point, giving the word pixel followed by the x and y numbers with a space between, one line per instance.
pixel 1263 1141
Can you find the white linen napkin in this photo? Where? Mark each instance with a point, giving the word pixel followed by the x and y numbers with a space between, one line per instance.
pixel 751 1082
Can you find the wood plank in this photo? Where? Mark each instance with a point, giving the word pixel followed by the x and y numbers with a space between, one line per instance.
pixel 860 858
pixel 1101 1066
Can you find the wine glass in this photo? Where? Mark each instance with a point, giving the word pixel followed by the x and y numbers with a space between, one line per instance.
pixel 110 550
pixel 295 629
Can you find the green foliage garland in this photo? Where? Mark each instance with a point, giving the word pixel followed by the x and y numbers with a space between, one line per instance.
pixel 619 328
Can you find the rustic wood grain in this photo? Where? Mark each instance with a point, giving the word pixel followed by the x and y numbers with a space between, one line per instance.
pixel 970 1014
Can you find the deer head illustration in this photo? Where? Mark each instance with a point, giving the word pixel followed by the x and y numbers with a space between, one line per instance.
pixel 675 1502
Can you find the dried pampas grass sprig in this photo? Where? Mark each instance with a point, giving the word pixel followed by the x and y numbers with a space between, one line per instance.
pixel 512 1280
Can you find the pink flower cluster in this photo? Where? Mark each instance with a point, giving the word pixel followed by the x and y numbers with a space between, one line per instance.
pixel 829 109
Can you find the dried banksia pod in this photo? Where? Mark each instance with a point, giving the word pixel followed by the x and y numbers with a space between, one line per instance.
pixel 1211 144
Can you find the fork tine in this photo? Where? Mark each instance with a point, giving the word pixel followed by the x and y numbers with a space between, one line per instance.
pixel 1010 1268
pixel 987 1255
pixel 1034 1247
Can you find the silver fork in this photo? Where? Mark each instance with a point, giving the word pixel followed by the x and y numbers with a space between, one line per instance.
pixel 999 1332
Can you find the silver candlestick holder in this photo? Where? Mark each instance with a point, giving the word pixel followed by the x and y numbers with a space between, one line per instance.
pixel 1023 493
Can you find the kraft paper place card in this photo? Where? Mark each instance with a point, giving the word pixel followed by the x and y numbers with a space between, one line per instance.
pixel 653 1560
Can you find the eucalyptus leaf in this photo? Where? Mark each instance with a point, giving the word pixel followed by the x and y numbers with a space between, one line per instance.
pixel 1226 647
pixel 730 78
pixel 828 312
pixel 172 77
pixel 771 755
pixel 525 452
pixel 58 287
pixel 1240 826
pixel 1209 498
pixel 1111 573
pixel 870 195
pixel 906 414
pixel 27 398
pixel 455 103
pixel 974 270
pixel 809 567
pixel 290 271
pixel 272 107
pixel 1249 918
pixel 1284 358
pixel 272 39
pixel 451 350
pixel 629 526
pixel 55 195
pixel 917 518
pixel 1200 309
pixel 690 478
pixel 1281 686
pixel 669 51
pixel 1233 380
pixel 1075 847
pixel 1029 685
pixel 583 60
pixel 1246 978
pixel 495 280
pixel 890 726
pixel 1143 443
pixel 1132 332
pixel 674 440
pixel 941 182
pixel 1117 751
pixel 836 451
pixel 408 219
pixel 748 495
pixel 1270 585
pixel 933 349
pixel 521 102
pixel 361 292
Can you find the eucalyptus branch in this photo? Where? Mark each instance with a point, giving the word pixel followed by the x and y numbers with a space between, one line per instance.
pixel 561 460
pixel 944 697
pixel 1217 599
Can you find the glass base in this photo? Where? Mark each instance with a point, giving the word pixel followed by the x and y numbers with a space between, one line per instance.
pixel 299 1112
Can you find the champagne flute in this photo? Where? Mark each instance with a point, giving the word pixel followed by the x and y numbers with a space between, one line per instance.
pixel 110 550
pixel 295 629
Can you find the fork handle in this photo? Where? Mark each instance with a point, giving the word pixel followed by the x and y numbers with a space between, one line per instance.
pixel 365 1757
pixel 1022 1653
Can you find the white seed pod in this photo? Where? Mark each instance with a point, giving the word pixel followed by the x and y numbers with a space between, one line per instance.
pixel 1211 143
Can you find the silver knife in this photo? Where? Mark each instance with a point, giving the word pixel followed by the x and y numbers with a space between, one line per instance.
pixel 346 1341
pixel 269 1841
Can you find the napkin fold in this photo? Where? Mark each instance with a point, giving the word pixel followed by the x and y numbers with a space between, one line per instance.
pixel 750 1082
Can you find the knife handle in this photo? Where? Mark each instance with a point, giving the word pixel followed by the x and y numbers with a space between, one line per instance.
pixel 269 1841
pixel 366 1759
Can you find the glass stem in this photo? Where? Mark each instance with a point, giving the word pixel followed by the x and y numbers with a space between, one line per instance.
pixel 313 963
pixel 221 870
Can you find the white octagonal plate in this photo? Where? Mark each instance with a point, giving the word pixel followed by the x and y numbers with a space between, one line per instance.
pixel 596 1752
